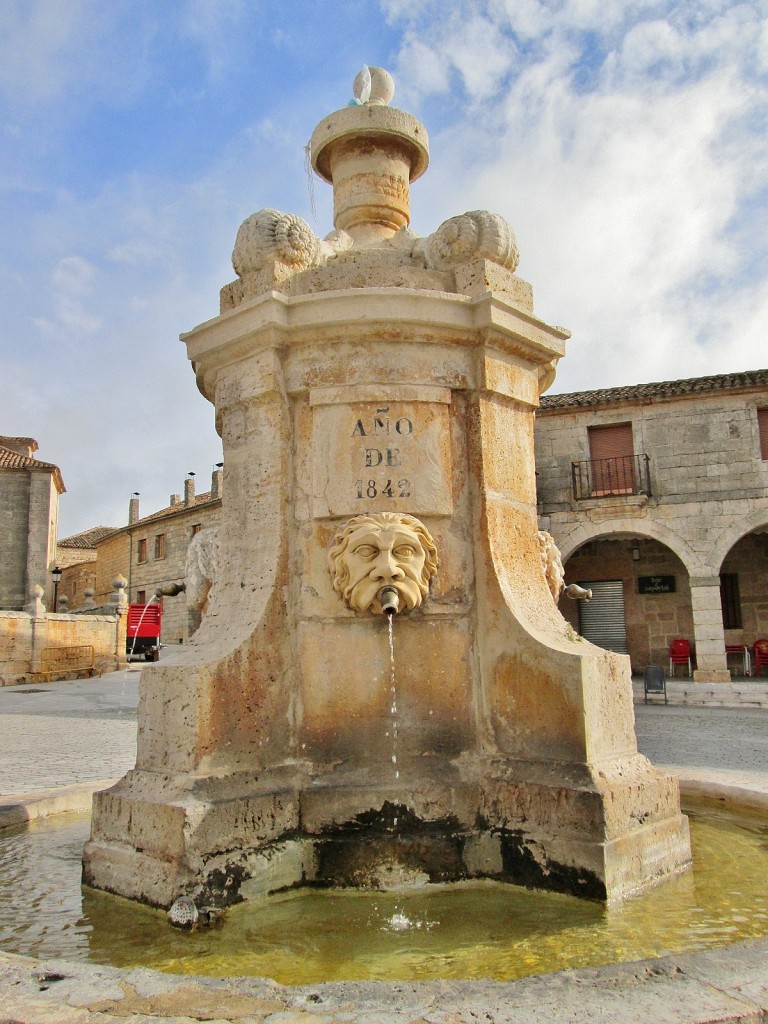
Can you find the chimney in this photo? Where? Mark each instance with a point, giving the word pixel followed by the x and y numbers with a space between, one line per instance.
pixel 189 489
pixel 133 508
pixel 217 480
pixel 175 499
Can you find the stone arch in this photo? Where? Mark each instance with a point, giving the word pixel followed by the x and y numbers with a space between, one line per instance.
pixel 734 533
pixel 648 529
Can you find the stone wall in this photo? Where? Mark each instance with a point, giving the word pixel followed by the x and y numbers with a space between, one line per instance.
pixel 41 531
pixel 79 576
pixel 43 648
pixel 29 509
pixel 14 515
pixel 113 559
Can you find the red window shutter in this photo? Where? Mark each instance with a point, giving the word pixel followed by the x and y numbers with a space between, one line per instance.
pixel 762 426
pixel 611 451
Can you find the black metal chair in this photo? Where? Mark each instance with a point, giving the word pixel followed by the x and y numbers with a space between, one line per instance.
pixel 654 681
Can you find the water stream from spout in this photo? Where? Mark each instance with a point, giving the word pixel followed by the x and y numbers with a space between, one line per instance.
pixel 393 697
pixel 153 600
pixel 129 656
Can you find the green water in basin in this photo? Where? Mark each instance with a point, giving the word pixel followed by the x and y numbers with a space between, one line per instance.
pixel 466 931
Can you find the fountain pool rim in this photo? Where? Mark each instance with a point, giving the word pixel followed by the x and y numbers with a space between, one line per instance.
pixel 729 982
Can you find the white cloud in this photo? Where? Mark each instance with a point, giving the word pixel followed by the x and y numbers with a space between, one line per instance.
pixel 54 53
pixel 71 291
pixel 217 29
pixel 625 148
pixel 428 72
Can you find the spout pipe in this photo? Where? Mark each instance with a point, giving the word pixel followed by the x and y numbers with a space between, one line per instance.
pixel 389 599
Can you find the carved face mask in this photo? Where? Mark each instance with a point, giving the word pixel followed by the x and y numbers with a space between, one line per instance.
pixel 376 557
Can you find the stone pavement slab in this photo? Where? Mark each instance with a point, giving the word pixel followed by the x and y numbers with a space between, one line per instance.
pixel 729 984
pixel 67 733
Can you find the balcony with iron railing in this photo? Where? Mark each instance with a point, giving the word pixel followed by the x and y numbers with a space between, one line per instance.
pixel 604 478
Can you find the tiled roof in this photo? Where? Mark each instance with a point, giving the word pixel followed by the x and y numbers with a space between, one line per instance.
pixel 180 506
pixel 94 536
pixel 12 460
pixel 663 389
pixel 29 442
pixel 88 538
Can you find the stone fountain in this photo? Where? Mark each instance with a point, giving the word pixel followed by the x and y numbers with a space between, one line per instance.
pixel 375 392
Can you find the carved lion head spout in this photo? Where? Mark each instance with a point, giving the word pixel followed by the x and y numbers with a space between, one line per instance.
pixel 382 549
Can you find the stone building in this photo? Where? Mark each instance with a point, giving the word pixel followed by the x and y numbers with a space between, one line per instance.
pixel 29 513
pixel 150 552
pixel 657 496
pixel 76 557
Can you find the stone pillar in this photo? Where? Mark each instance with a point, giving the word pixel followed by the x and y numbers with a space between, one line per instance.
pixel 708 633
pixel 43 498
pixel 37 610
pixel 118 603
pixel 35 607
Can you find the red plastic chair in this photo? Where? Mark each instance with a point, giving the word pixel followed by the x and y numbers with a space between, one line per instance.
pixel 679 654
pixel 760 653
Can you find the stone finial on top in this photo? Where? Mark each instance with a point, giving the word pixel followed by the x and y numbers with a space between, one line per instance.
pixel 370 153
pixel 117 599
pixel 35 606
pixel 373 85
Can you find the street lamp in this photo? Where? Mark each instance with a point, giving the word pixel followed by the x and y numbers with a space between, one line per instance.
pixel 56 573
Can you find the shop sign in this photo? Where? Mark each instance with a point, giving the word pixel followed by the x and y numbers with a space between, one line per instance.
pixel 656 585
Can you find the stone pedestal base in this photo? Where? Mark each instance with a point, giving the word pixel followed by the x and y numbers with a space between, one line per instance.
pixel 701 675
pixel 223 840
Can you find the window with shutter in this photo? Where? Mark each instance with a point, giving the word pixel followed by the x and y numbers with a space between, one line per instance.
pixel 611 452
pixel 762 427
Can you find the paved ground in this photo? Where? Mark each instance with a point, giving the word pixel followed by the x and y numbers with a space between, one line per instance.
pixel 63 733
pixel 59 734
pixel 730 739
pixel 80 731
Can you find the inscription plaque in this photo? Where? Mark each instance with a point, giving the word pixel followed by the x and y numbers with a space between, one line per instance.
pixel 390 454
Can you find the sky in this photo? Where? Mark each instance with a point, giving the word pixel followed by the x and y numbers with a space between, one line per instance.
pixel 626 142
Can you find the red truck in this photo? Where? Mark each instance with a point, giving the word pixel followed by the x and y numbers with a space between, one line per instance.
pixel 143 633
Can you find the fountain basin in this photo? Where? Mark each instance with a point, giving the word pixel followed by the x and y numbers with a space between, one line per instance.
pixel 411 931
pixel 728 982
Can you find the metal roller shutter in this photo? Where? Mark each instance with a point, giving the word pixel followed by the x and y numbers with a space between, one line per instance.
pixel 601 620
